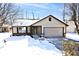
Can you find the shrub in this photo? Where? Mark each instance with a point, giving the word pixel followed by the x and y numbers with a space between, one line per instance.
pixel 68 48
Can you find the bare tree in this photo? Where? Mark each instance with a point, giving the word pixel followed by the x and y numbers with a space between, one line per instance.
pixel 72 11
pixel 33 15
pixel 38 17
pixel 26 14
pixel 7 13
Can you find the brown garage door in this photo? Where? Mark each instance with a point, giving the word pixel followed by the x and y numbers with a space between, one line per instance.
pixel 53 32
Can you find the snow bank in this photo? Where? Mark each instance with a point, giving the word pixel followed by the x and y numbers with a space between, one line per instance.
pixel 72 36
pixel 25 47
pixel 2 44
pixel 2 37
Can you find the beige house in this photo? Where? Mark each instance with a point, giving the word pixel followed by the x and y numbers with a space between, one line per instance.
pixel 49 26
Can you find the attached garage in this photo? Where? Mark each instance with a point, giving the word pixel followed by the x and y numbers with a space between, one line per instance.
pixel 53 31
pixel 51 26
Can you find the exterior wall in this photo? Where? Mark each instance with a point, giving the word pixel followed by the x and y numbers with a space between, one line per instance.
pixel 71 27
pixel 47 23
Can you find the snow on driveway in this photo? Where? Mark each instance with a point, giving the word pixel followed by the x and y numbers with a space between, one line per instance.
pixel 56 41
pixel 25 47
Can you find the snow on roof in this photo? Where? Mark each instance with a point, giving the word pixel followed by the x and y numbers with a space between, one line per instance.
pixel 24 22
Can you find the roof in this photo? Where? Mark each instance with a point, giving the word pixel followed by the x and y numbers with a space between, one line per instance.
pixel 53 17
pixel 26 22
pixel 21 22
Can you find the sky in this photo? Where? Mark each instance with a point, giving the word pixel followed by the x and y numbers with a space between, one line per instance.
pixel 41 10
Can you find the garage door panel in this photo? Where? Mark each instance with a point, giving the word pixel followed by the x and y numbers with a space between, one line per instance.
pixel 53 32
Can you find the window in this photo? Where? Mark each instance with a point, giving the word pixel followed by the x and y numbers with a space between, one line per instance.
pixel 22 29
pixel 49 19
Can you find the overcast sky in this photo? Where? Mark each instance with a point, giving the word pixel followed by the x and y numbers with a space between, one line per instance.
pixel 41 10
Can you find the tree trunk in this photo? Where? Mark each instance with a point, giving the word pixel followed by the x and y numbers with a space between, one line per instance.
pixel 76 27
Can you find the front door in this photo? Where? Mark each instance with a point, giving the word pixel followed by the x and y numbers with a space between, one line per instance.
pixel 36 30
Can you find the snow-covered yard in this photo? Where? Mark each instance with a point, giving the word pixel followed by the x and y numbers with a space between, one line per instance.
pixel 72 36
pixel 2 37
pixel 25 47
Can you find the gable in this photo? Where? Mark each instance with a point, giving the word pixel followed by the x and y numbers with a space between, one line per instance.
pixel 49 23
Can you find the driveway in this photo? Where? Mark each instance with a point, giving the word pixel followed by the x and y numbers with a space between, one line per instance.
pixel 56 41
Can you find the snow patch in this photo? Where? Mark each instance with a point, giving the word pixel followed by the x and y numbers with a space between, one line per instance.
pixel 72 36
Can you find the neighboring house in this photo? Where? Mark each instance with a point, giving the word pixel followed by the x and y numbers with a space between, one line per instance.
pixel 5 28
pixel 49 26
pixel 71 28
